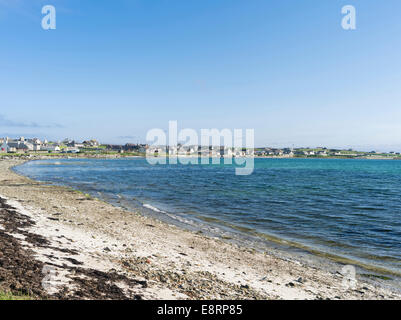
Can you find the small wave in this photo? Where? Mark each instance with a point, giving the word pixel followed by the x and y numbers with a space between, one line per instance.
pixel 153 208
pixel 172 216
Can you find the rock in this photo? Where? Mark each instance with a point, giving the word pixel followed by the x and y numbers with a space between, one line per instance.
pixel 106 249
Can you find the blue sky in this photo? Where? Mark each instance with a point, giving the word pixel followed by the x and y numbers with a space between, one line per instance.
pixel 112 70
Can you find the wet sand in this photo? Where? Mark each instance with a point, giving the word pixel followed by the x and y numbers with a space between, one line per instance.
pixel 65 245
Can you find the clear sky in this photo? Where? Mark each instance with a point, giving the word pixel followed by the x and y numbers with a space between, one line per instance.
pixel 112 70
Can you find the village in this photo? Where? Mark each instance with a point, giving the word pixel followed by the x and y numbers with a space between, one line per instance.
pixel 21 145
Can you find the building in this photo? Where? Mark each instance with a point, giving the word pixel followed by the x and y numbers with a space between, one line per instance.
pixel 19 145
pixel 50 148
pixel 154 151
pixel 91 143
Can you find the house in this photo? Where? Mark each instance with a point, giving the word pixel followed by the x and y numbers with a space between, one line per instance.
pixel 298 153
pixel 114 147
pixel 19 145
pixel 34 141
pixel 50 148
pixel 91 143
pixel 154 151
pixel 142 149
pixel 71 144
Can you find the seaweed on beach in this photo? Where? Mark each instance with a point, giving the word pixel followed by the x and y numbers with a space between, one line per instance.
pixel 21 273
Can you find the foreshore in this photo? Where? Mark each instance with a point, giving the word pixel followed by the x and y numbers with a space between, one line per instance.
pixel 57 243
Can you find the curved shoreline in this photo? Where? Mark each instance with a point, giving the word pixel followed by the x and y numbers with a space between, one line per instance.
pixel 262 275
pixel 265 240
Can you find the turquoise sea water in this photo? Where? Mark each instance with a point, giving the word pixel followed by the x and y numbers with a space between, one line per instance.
pixel 348 208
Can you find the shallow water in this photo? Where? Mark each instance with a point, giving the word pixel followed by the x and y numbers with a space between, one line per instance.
pixel 349 208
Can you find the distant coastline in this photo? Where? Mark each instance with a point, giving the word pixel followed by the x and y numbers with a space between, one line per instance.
pixel 92 148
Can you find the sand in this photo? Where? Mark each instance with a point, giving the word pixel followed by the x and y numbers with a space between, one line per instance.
pixel 96 250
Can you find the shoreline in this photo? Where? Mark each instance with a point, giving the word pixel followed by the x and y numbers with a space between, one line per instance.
pixel 248 238
pixel 175 263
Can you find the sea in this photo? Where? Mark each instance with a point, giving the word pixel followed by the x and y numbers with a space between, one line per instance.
pixel 347 210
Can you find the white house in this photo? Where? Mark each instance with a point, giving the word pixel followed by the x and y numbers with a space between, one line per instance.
pixel 51 148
